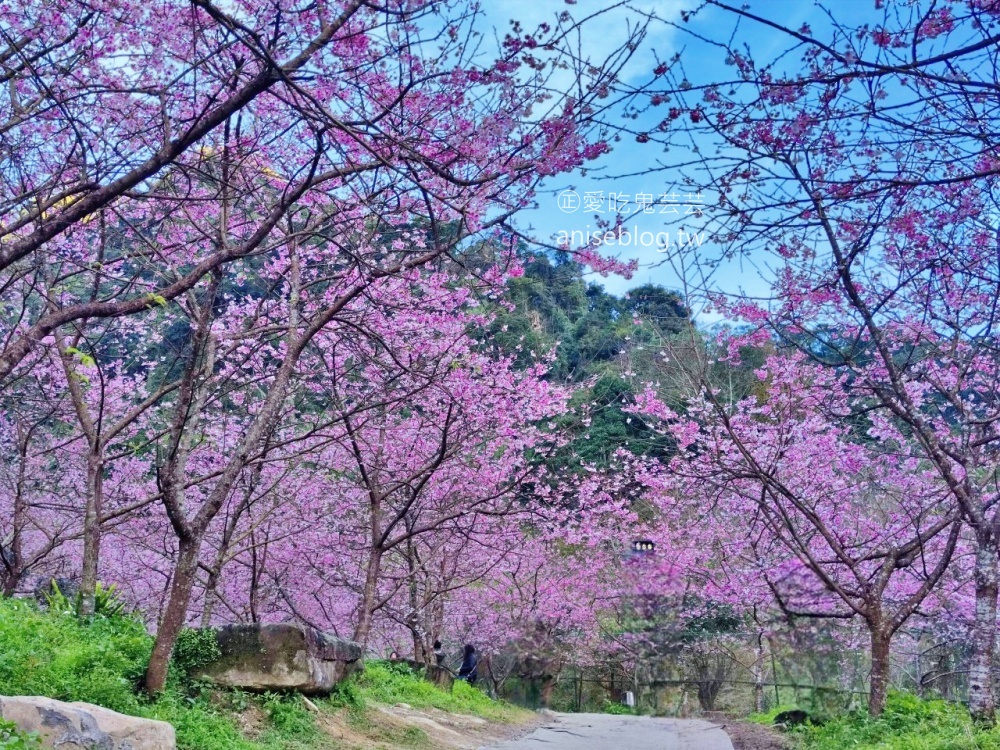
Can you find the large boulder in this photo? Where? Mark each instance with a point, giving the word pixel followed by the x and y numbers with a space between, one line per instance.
pixel 82 726
pixel 281 657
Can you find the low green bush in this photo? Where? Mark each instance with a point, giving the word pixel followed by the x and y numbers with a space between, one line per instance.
pixel 289 716
pixel 106 599
pixel 13 739
pixel 618 709
pixel 347 695
pixel 56 654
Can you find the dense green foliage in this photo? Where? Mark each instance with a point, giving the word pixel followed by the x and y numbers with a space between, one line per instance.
pixel 908 723
pixel 618 709
pixel 56 654
pixel 194 648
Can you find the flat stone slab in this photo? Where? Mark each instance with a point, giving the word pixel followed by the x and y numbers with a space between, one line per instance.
pixel 82 726
pixel 281 657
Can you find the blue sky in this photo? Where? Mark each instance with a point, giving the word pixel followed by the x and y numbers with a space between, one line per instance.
pixel 608 179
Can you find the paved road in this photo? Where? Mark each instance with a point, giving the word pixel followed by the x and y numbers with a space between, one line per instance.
pixel 606 732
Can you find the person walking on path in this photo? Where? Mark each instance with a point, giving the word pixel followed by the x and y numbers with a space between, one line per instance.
pixel 469 671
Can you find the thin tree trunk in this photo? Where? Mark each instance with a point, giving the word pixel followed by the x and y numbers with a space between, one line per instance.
pixel 215 572
pixel 210 596
pixel 420 651
pixel 982 704
pixel 174 615
pixel 758 674
pixel 419 654
pixel 878 685
pixel 95 481
pixel 92 531
pixel 366 610
pixel 14 556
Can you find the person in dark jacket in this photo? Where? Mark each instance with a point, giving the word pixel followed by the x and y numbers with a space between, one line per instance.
pixel 438 653
pixel 469 670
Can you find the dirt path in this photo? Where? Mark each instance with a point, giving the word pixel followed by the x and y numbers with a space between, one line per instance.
pixel 401 725
pixel 755 737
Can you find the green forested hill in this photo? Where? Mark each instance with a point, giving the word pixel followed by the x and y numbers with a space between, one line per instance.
pixel 599 340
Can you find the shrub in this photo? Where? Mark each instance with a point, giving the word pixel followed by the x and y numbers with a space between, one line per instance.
pixel 618 709
pixel 195 648
pixel 289 716
pixel 106 600
pixel 347 694
pixel 11 738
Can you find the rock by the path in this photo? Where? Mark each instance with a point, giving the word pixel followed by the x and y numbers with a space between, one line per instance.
pixel 281 657
pixel 82 726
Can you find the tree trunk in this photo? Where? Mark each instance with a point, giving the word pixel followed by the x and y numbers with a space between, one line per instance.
pixel 13 562
pixel 174 615
pixel 366 610
pixel 878 684
pixel 413 620
pixel 210 595
pixel 92 531
pixel 419 652
pixel 982 705
pixel 758 674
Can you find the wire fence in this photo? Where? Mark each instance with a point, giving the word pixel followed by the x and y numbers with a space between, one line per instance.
pixel 745 675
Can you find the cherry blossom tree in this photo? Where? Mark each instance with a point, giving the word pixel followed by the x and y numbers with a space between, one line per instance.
pixel 264 184
pixel 859 170
pixel 118 120
pixel 826 523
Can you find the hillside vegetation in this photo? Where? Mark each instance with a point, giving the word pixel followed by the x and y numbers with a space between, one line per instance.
pixel 55 654
pixel 908 723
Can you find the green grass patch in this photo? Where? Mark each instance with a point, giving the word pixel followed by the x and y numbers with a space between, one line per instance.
pixel 56 655
pixel 908 723
pixel 393 682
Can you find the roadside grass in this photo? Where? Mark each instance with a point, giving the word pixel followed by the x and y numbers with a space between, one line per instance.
pixel 908 723
pixel 390 683
pixel 617 709
pixel 52 653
